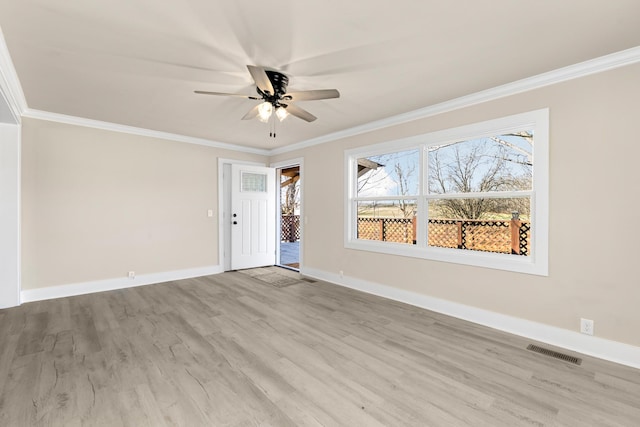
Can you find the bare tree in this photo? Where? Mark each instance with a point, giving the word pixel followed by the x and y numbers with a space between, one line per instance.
pixel 490 166
pixel 403 178
pixel 290 200
pixel 289 190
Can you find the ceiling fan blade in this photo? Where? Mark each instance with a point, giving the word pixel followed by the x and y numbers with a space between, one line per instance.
pixel 252 113
pixel 310 95
pixel 300 113
pixel 261 79
pixel 237 95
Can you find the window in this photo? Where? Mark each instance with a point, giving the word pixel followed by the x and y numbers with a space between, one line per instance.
pixel 387 193
pixel 474 195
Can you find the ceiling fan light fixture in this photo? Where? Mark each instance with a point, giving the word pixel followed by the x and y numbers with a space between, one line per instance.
pixel 264 111
pixel 281 113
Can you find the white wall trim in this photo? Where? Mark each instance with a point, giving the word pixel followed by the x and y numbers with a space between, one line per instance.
pixel 97 124
pixel 10 88
pixel 582 69
pixel 613 351
pixel 29 295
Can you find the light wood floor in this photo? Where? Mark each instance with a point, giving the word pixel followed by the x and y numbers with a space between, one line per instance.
pixel 228 350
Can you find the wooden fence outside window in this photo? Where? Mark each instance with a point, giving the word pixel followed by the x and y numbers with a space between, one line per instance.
pixel 501 236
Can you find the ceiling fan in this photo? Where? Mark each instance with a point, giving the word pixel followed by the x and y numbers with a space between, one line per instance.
pixel 272 90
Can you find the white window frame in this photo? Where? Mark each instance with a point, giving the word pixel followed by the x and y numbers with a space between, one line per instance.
pixel 537 263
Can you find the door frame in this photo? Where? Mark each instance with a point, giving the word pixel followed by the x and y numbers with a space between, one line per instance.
pixel 12 106
pixel 224 208
pixel 10 212
pixel 299 161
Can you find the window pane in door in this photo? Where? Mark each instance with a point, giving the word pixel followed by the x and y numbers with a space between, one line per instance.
pixel 254 182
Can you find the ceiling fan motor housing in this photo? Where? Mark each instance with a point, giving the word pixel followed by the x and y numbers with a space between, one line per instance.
pixel 279 82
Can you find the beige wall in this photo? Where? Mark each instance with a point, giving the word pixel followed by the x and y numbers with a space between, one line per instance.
pixel 97 204
pixel 594 212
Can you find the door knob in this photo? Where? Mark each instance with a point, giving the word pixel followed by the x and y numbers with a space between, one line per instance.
pixel 235 215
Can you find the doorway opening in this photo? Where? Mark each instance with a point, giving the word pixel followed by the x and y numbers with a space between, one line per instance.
pixel 290 232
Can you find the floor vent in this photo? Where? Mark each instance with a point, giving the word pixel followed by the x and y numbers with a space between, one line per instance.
pixel 551 353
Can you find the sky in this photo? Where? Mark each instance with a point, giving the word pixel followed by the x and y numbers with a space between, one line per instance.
pixel 515 150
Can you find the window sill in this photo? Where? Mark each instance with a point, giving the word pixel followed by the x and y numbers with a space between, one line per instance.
pixel 506 262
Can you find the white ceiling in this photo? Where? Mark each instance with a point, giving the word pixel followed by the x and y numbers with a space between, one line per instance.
pixel 137 62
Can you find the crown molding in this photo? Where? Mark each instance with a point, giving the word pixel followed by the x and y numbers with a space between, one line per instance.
pixel 582 69
pixel 10 88
pixel 97 124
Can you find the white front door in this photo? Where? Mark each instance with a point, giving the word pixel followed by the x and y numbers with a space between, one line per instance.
pixel 253 216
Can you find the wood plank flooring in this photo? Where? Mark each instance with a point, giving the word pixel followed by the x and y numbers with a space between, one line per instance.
pixel 227 350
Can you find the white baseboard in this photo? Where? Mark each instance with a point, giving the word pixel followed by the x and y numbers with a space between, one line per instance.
pixel 73 289
pixel 613 351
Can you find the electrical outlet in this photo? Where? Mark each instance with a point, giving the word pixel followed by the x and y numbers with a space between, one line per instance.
pixel 132 275
pixel 586 326
pixel 341 274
